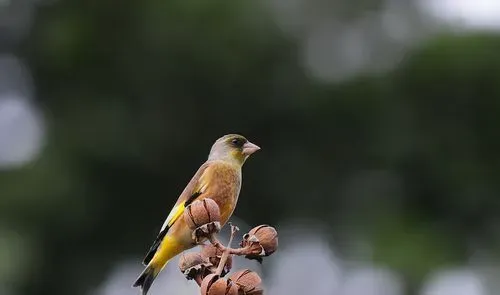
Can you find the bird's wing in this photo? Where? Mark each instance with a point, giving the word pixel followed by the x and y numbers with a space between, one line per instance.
pixel 194 189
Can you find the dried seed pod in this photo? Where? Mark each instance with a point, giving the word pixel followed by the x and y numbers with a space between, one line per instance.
pixel 201 212
pixel 203 217
pixel 213 255
pixel 261 241
pixel 203 232
pixel 267 236
pixel 214 285
pixel 248 282
pixel 192 264
pixel 207 283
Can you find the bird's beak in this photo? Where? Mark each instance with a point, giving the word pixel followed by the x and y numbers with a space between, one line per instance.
pixel 250 148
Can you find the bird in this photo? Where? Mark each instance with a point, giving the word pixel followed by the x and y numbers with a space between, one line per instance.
pixel 218 178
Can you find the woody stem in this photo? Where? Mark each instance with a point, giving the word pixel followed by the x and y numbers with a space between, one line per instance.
pixel 227 250
pixel 234 251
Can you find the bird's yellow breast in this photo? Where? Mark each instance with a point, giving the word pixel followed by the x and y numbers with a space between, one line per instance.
pixel 221 182
pixel 223 186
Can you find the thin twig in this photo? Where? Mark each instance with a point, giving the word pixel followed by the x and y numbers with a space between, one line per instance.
pixel 234 251
pixel 214 241
pixel 227 250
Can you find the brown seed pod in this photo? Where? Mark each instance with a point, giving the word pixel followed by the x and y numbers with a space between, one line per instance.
pixel 203 217
pixel 267 236
pixel 214 285
pixel 203 232
pixel 207 283
pixel 261 241
pixel 213 255
pixel 192 264
pixel 201 212
pixel 248 282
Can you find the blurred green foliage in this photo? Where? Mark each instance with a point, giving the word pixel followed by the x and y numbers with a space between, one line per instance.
pixel 134 95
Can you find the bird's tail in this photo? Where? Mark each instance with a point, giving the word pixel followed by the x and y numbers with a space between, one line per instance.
pixel 169 248
pixel 145 280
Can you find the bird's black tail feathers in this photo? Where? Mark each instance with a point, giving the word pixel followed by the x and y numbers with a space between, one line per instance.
pixel 145 280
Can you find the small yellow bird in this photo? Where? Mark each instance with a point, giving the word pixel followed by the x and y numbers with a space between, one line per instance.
pixel 219 178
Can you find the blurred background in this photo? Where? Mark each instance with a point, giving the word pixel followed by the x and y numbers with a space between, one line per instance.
pixel 378 122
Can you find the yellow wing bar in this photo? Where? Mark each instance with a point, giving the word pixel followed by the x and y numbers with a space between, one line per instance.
pixel 173 216
pixel 176 213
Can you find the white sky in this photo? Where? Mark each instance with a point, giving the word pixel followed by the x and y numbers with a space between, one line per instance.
pixel 477 14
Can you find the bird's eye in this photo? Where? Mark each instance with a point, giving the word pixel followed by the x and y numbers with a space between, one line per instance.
pixel 237 142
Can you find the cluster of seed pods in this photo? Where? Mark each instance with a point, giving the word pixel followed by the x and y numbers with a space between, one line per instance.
pixel 211 266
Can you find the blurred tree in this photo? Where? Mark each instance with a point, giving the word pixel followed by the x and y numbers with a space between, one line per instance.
pixel 135 94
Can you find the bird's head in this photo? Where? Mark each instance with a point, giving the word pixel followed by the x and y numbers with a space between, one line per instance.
pixel 233 148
